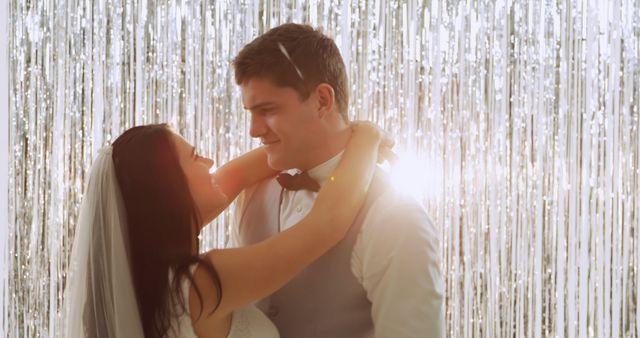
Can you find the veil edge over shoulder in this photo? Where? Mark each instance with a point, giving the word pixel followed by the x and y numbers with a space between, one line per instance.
pixel 99 298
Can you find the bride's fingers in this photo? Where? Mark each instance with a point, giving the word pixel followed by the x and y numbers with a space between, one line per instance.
pixel 387 140
pixel 386 154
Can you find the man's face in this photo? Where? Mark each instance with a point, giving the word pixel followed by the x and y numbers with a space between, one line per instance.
pixel 287 126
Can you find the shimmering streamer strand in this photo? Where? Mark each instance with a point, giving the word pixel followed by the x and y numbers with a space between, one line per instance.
pixel 521 116
pixel 4 164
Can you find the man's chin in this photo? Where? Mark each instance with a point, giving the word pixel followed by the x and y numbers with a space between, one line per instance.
pixel 277 164
pixel 277 167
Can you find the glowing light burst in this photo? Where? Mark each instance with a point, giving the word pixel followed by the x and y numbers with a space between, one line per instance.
pixel 416 175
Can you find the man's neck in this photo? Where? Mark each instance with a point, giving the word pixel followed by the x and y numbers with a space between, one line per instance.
pixel 336 143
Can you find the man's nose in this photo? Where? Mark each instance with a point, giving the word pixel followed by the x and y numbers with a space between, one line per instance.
pixel 258 127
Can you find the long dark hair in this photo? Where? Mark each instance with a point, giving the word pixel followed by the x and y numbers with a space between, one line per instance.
pixel 162 221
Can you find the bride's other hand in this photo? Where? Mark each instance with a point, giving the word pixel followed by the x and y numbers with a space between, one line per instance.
pixel 366 129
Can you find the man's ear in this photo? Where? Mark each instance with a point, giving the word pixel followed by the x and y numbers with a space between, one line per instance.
pixel 326 99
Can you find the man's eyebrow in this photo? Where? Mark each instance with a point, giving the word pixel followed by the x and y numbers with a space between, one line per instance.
pixel 260 105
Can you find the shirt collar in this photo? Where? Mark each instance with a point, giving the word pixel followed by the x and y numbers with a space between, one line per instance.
pixel 321 172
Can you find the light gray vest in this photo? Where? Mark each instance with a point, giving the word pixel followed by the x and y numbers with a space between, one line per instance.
pixel 325 299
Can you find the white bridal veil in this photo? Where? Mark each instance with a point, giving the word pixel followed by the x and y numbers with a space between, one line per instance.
pixel 99 299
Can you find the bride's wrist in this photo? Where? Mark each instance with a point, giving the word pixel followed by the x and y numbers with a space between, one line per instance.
pixel 367 133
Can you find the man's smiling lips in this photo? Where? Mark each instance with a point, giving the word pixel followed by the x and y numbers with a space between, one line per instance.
pixel 269 143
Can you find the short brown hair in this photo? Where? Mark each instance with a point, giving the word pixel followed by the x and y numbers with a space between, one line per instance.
pixel 315 55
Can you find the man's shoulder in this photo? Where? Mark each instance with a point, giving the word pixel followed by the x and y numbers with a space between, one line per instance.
pixel 396 224
pixel 394 213
pixel 398 206
pixel 389 200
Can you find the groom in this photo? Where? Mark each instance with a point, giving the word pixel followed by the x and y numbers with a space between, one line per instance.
pixel 383 279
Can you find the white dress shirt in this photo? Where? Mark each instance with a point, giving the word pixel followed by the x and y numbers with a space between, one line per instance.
pixel 396 258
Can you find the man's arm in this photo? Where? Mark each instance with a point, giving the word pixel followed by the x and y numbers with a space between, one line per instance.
pixel 397 259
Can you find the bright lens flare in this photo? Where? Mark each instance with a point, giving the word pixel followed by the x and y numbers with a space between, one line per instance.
pixel 417 176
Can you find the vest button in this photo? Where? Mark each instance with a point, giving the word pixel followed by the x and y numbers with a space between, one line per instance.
pixel 273 311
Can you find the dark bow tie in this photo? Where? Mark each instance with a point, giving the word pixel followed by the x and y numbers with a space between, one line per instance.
pixel 297 182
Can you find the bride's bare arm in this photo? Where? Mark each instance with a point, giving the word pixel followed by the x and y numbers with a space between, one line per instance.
pixel 243 172
pixel 253 272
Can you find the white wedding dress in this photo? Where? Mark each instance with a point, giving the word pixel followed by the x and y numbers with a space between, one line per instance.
pixel 248 322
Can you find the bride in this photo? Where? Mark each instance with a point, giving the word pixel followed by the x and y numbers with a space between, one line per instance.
pixel 135 266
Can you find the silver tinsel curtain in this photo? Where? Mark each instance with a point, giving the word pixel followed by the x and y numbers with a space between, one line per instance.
pixel 519 120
